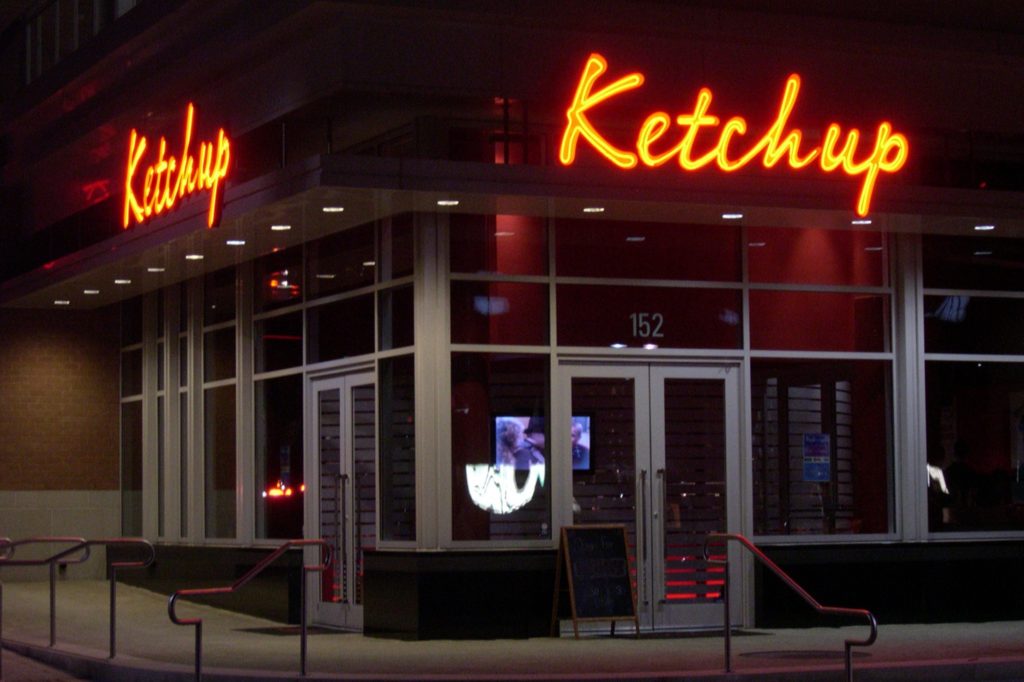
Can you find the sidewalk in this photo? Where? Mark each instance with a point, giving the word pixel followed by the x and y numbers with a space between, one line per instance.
pixel 237 647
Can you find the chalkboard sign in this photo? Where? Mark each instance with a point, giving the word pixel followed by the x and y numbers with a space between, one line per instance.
pixel 595 560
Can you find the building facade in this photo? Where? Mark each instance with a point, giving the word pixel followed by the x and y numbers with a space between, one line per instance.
pixel 434 283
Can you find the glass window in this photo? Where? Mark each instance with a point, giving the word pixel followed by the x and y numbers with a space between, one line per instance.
pixel 278 342
pixel 973 324
pixel 806 320
pixel 183 303
pixel 219 491
pixel 505 244
pixel 278 279
pixel 975 431
pixel 499 312
pixel 131 372
pixel 397 247
pixel 972 262
pixel 131 468
pixel 131 321
pixel 219 296
pixel 341 262
pixel 621 316
pixel 341 329
pixel 636 250
pixel 821 444
pixel 397 468
pixel 501 488
pixel 279 479
pixel 817 256
pixel 219 354
pixel 396 321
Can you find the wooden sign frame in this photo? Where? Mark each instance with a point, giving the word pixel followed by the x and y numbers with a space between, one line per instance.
pixel 565 560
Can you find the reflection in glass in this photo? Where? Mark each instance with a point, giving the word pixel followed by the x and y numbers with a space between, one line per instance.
pixel 975 432
pixel 817 256
pixel 278 342
pixel 639 250
pixel 341 329
pixel 640 317
pixel 821 446
pixel 971 262
pixel 341 262
pixel 277 278
pixel 219 354
pixel 280 484
pixel 973 324
pixel 811 320
pixel 500 486
pixel 220 461
pixel 131 468
pixel 131 372
pixel 499 312
pixel 396 320
pixel 503 244
pixel 397 448
pixel 219 296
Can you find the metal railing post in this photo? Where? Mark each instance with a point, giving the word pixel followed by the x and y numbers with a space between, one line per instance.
pixel 724 538
pixel 113 611
pixel 728 621
pixel 53 602
pixel 302 624
pixel 241 582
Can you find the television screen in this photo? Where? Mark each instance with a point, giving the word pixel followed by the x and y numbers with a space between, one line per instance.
pixel 520 441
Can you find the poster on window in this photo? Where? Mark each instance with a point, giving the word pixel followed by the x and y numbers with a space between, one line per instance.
pixel 817 457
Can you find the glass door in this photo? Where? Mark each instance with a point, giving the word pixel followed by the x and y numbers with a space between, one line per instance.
pixel 655 448
pixel 342 445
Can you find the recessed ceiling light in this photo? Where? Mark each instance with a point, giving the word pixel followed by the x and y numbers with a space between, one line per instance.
pixel 155 269
pixel 447 202
pixel 650 346
pixel 636 239
pixel 193 256
pixel 122 281
pixel 984 228
pixel 325 275
pixel 369 263
pixel 757 245
pixel 333 209
pixel 732 216
pixel 861 221
pixel 62 301
pixel 90 292
pixel 618 345
pixel 982 253
pixel 593 209
pixel 235 242
pixel 280 228
pixel 872 248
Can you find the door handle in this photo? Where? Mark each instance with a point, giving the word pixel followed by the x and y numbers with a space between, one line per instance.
pixel 660 513
pixel 642 544
pixel 342 532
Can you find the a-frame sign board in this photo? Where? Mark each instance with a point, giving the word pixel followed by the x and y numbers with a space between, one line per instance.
pixel 595 563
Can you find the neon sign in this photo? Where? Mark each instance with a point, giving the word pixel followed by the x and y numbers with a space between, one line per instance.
pixel 886 154
pixel 169 179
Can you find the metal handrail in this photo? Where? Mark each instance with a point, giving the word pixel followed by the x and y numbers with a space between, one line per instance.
pixel 238 584
pixel 83 545
pixel 723 538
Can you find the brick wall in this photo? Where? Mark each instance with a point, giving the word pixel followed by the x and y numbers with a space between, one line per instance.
pixel 59 399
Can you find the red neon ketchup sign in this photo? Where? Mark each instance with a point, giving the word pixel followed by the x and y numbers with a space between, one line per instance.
pixel 886 154
pixel 170 179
